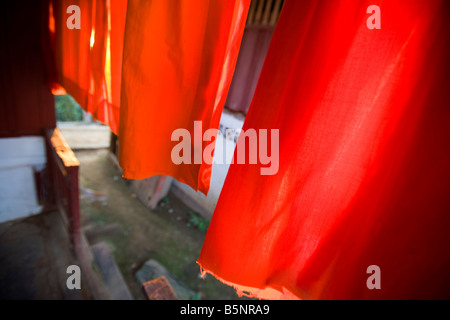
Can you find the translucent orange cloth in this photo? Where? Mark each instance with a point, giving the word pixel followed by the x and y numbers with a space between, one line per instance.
pixel 364 175
pixel 89 59
pixel 72 49
pixel 178 61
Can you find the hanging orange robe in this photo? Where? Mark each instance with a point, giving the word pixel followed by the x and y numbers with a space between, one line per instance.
pixel 178 61
pixel 89 59
pixel 72 49
pixel 364 152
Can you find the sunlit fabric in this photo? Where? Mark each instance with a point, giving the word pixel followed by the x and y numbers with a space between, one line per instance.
pixel 364 176
pixel 72 49
pixel 178 61
pixel 89 59
pixel 118 11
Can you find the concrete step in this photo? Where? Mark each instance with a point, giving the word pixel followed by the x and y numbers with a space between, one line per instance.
pixel 110 272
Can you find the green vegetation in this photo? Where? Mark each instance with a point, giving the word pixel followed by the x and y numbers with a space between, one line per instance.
pixel 197 221
pixel 67 109
pixel 171 234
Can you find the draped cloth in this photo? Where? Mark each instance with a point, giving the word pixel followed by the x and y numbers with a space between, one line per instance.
pixel 364 152
pixel 149 67
pixel 72 49
pixel 178 61
pixel 89 59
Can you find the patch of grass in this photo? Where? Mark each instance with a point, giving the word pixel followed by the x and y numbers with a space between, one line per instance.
pixel 67 109
pixel 197 221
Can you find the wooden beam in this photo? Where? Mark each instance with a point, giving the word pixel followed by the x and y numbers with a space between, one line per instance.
pixel 62 149
pixel 267 10
pixel 275 12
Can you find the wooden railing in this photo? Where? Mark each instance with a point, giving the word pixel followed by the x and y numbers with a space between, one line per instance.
pixel 63 174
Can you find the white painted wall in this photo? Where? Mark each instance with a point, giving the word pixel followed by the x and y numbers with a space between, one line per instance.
pixel 224 149
pixel 19 158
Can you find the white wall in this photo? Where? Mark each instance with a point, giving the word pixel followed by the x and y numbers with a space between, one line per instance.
pixel 19 158
pixel 224 149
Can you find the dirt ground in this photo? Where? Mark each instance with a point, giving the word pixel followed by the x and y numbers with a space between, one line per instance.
pixel 135 234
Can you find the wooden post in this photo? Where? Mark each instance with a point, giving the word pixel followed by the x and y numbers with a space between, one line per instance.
pixel 157 195
pixel 74 205
pixel 113 144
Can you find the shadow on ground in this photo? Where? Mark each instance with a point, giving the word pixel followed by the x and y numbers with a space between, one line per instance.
pixel 35 252
pixel 111 213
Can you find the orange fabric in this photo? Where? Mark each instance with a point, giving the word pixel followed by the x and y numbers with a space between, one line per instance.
pixel 364 175
pixel 97 89
pixel 89 59
pixel 118 12
pixel 72 49
pixel 178 62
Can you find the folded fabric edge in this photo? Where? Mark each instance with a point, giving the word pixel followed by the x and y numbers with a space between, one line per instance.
pixel 267 293
pixel 130 175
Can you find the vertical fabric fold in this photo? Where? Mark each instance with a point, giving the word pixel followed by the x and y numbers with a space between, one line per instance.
pixel 118 13
pixel 178 61
pixel 89 59
pixel 363 178
pixel 72 49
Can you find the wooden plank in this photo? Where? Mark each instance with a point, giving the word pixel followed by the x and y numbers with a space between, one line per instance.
pixel 110 272
pixel 275 12
pixel 267 11
pixel 259 12
pixel 161 190
pixel 251 12
pixel 62 148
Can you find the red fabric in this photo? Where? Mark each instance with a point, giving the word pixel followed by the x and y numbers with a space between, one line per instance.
pixel 178 61
pixel 364 175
